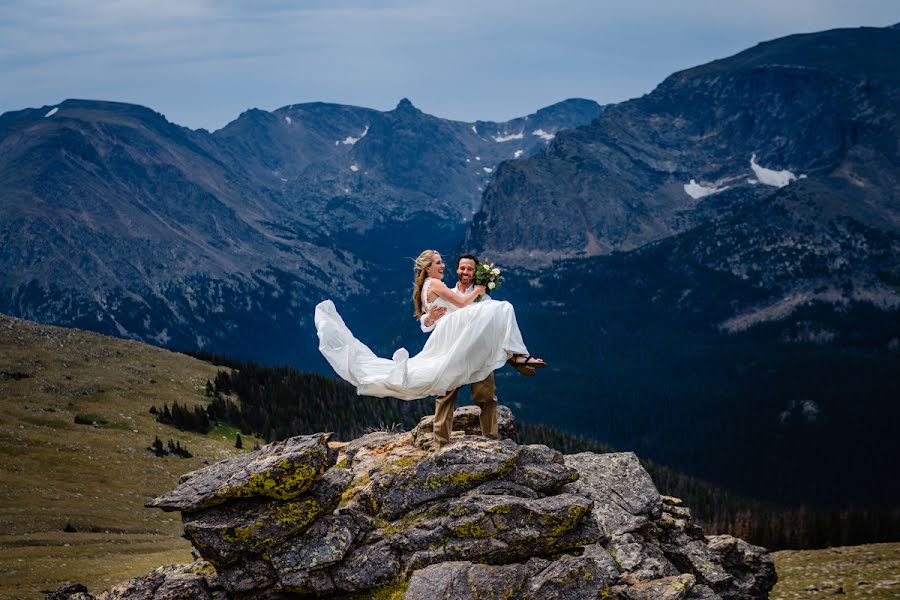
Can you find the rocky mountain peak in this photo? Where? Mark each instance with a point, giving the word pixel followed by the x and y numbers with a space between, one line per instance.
pixel 405 104
pixel 478 518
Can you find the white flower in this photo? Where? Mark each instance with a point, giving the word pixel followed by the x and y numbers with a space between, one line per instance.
pixel 491 285
pixel 496 271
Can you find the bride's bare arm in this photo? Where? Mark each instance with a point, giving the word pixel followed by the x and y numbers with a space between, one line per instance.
pixel 459 301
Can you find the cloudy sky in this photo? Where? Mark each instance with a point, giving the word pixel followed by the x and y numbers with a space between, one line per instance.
pixel 203 62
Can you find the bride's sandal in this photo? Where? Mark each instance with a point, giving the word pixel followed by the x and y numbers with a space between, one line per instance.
pixel 521 367
pixel 527 360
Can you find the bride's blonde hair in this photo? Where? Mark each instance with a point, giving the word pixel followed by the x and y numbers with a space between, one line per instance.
pixel 423 261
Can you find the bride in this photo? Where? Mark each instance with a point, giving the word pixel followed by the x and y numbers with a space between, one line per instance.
pixel 472 340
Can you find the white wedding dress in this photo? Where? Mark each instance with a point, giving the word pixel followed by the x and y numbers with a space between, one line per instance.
pixel 467 344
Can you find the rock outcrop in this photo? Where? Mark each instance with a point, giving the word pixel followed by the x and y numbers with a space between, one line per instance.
pixel 479 518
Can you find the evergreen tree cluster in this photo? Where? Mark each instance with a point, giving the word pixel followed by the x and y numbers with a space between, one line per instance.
pixel 183 418
pixel 278 402
pixel 172 449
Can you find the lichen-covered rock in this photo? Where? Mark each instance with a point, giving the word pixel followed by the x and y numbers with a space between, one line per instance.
pixel 702 592
pixel 225 533
pixel 495 529
pixel 195 581
pixel 70 591
pixel 454 469
pixel 443 580
pixel 478 519
pixel 666 588
pixel 643 561
pixel 252 572
pixel 751 567
pixel 366 567
pixel 623 492
pixel 694 556
pixel 541 469
pixel 320 546
pixel 568 578
pixel 281 470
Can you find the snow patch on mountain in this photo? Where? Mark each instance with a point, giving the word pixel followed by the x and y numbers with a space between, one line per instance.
pixel 288 120
pixel 350 140
pixel 770 176
pixel 518 153
pixel 697 191
pixel 543 134
pixel 52 112
pixel 508 137
pixel 808 410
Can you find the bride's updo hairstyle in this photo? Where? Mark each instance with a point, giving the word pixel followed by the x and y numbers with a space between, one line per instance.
pixel 423 261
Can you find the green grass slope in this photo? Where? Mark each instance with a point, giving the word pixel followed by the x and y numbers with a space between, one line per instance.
pixel 870 571
pixel 95 477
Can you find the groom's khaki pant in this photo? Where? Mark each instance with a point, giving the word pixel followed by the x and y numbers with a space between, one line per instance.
pixel 483 397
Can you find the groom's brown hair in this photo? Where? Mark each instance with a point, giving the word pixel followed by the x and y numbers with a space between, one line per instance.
pixel 471 257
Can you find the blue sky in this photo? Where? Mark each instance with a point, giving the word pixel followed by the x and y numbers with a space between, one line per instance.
pixel 201 63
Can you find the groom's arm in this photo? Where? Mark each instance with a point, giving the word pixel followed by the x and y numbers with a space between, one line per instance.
pixel 430 319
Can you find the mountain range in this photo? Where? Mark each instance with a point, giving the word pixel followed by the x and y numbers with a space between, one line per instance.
pixel 116 220
pixel 711 269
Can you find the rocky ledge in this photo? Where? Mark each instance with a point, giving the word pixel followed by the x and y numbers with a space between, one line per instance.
pixel 480 518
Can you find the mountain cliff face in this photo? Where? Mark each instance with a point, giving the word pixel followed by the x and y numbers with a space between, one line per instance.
pixel 728 278
pixel 478 518
pixel 116 220
pixel 820 106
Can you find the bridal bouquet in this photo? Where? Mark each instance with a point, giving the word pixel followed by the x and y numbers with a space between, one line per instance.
pixel 488 275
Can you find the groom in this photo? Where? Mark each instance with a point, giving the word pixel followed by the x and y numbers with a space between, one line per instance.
pixel 482 391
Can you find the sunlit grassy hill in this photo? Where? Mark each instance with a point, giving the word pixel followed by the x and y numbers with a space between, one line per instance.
pixel 869 571
pixel 95 477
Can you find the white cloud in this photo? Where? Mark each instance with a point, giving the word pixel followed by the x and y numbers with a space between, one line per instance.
pixel 769 176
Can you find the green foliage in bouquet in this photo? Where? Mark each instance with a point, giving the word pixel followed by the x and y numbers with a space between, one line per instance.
pixel 488 275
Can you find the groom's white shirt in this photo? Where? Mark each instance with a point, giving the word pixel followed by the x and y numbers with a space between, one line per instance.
pixel 426 329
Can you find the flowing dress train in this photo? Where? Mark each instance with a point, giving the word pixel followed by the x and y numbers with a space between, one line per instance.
pixel 467 344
